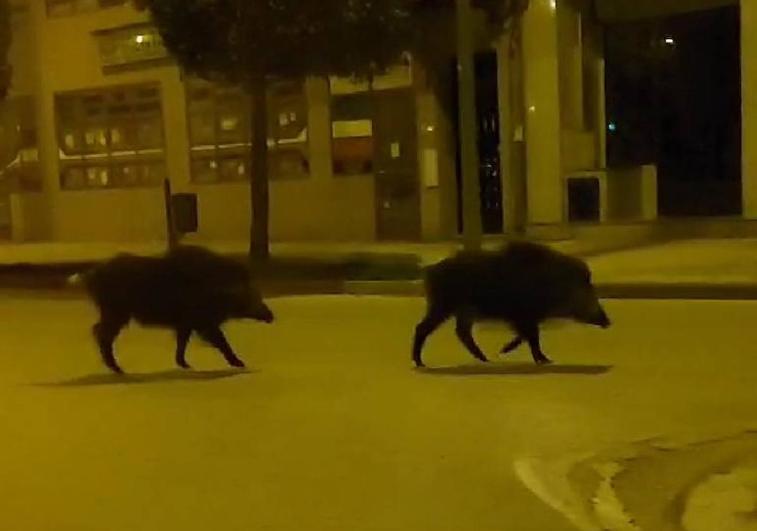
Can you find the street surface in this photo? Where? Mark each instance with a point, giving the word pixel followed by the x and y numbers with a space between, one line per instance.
pixel 332 428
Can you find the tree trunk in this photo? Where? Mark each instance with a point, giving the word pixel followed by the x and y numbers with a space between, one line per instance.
pixel 259 238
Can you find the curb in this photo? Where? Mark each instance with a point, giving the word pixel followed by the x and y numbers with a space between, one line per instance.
pixel 678 290
pixel 608 290
pixel 414 288
pixel 391 288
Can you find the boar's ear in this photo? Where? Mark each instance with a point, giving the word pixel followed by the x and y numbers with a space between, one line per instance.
pixel 586 273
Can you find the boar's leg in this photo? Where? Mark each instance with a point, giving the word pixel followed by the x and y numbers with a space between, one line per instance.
pixel 216 338
pixel 425 328
pixel 531 333
pixel 182 338
pixel 512 345
pixel 464 330
pixel 106 332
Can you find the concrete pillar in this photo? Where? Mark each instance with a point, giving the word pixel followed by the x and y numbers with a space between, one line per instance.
pixel 749 107
pixel 600 119
pixel 570 66
pixel 542 101
pixel 506 131
pixel 648 194
pixel 319 128
pixel 595 114
pixel 511 131
pixel 428 164
pixel 446 145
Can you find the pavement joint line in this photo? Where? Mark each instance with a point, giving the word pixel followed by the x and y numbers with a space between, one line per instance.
pixel 608 512
pixel 555 490
pixel 548 479
pixel 608 507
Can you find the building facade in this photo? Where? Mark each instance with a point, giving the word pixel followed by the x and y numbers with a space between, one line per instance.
pixel 110 117
pixel 98 116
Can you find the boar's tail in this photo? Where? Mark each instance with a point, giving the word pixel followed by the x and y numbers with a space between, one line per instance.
pixel 77 279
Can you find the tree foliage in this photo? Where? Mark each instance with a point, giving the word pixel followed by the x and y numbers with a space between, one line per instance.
pixel 237 40
pixel 252 42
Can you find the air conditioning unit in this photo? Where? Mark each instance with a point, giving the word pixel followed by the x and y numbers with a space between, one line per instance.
pixel 618 195
pixel 586 197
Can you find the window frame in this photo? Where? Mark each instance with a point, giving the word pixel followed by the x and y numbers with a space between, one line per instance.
pixel 143 155
pixel 218 150
pixel 75 9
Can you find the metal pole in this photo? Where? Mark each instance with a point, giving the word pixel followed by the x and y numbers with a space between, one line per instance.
pixel 472 230
pixel 170 228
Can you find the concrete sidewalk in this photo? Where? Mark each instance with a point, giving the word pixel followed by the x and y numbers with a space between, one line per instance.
pixel 684 261
pixel 48 253
pixel 711 269
pixel 698 269
pixel 683 269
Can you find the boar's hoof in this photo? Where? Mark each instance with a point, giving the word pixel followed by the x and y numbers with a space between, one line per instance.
pixel 236 362
pixel 113 366
pixel 511 346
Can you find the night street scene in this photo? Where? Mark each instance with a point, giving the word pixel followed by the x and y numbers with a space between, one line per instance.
pixel 378 265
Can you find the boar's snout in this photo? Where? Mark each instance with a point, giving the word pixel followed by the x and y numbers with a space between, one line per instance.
pixel 262 313
pixel 601 319
pixel 587 309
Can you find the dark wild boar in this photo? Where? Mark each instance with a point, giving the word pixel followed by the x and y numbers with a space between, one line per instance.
pixel 188 290
pixel 523 285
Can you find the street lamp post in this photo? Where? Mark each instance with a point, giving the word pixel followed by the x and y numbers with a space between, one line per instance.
pixel 171 235
pixel 471 203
